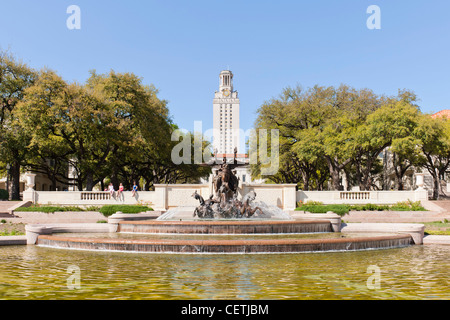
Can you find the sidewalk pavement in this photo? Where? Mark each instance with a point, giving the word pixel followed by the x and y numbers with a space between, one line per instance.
pixel 432 239
pixel 395 216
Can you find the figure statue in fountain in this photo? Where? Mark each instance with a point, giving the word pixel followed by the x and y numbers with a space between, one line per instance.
pixel 225 182
pixel 246 209
pixel 205 210
pixel 225 209
pixel 225 205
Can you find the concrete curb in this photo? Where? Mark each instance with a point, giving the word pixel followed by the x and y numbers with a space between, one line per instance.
pixel 435 239
pixel 34 231
pixel 415 230
pixel 116 218
pixel 332 217
pixel 13 241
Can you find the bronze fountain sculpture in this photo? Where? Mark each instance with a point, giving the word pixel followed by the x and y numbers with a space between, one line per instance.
pixel 225 204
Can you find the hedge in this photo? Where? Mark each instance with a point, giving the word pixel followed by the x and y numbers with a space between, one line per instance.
pixel 112 209
pixel 105 210
pixel 343 209
pixel 4 194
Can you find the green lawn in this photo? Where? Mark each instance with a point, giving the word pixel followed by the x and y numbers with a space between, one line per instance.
pixel 441 228
pixel 343 209
pixel 105 210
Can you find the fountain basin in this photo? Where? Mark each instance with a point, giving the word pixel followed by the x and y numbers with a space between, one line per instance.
pixel 226 246
pixel 225 227
pixel 223 236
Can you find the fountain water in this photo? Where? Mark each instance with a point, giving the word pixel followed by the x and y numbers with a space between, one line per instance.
pixel 225 205
pixel 224 224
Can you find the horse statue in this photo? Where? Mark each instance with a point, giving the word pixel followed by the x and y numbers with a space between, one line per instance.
pixel 246 209
pixel 204 210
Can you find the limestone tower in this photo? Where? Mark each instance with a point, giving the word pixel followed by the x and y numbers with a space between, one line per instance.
pixel 226 117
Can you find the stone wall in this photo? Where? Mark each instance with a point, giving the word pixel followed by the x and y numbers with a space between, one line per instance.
pixel 166 197
pixel 362 197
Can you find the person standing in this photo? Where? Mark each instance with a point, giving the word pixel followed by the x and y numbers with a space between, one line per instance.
pixel 120 192
pixel 135 189
pixel 111 190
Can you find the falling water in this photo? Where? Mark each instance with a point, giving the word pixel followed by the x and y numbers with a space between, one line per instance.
pixel 269 212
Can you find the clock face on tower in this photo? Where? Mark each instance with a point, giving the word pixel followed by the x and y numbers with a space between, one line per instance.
pixel 226 92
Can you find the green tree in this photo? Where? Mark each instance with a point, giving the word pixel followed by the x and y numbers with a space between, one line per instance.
pixel 142 145
pixel 299 115
pixel 347 139
pixel 68 125
pixel 15 78
pixel 433 136
pixel 405 147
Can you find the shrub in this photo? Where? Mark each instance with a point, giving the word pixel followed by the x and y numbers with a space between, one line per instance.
pixel 343 209
pixel 112 209
pixel 11 233
pixel 369 207
pixel 93 208
pixel 314 203
pixel 48 209
pixel 340 209
pixel 4 194
pixel 408 206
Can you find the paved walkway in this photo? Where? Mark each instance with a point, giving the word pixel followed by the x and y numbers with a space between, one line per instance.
pixel 396 217
pixel 443 204
pixel 57 217
pixel 5 206
pixel 431 239
pixel 437 211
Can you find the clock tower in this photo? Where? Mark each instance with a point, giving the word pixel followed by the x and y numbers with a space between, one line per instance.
pixel 226 117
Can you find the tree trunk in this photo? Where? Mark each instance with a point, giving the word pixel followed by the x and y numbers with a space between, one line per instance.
pixel 358 175
pixel 335 181
pixel 80 184
pixel 306 178
pixel 400 185
pixel 436 188
pixel 436 184
pixel 54 182
pixel 14 182
pixel 89 181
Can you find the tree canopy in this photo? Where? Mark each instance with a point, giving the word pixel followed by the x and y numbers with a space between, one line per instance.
pixel 328 132
pixel 112 128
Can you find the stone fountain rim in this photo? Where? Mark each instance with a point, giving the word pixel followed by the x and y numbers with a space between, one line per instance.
pixel 222 242
pixel 223 222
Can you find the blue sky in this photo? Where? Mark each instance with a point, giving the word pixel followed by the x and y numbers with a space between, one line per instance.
pixel 181 47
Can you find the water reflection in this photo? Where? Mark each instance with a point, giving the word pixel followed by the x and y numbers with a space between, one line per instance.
pixel 417 272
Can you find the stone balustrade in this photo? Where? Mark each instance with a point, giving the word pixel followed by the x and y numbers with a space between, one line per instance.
pixel 87 196
pixel 165 197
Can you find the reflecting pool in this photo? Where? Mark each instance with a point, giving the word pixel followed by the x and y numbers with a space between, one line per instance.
pixel 416 272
